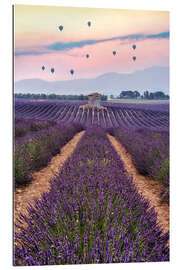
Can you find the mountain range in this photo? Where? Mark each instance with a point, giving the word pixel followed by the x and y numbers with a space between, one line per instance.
pixel 151 79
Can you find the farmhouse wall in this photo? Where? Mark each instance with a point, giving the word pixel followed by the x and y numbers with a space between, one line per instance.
pixel 94 99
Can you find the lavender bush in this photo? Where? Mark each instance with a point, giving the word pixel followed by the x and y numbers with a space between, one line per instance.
pixel 149 149
pixel 24 126
pixel 92 214
pixel 35 150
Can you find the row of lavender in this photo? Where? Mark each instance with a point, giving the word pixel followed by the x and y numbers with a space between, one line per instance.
pixel 121 115
pixel 149 149
pixel 159 106
pixel 35 149
pixel 92 214
pixel 23 126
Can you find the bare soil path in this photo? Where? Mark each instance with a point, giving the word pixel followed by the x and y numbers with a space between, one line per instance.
pixel 149 188
pixel 41 179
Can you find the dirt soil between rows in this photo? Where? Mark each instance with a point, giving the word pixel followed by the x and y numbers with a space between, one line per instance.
pixel 41 180
pixel 150 189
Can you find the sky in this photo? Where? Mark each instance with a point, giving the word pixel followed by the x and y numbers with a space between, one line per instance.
pixel 39 42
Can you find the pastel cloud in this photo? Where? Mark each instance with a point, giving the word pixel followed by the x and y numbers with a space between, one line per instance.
pixel 62 46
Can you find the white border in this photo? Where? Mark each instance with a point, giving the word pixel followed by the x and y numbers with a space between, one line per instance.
pixel 6 124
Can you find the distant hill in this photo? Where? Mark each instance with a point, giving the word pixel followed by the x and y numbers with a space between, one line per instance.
pixel 151 79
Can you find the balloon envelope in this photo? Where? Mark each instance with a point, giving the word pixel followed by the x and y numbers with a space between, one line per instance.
pixel 134 46
pixel 72 71
pixel 60 27
pixel 52 70
pixel 114 52
pixel 87 55
pixel 134 58
pixel 89 24
pixel 43 67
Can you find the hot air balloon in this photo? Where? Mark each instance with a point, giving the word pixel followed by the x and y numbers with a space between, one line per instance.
pixel 134 46
pixel 89 24
pixel 43 67
pixel 114 52
pixel 87 55
pixel 134 58
pixel 52 70
pixel 60 27
pixel 72 71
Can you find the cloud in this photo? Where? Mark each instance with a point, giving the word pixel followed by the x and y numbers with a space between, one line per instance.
pixel 19 53
pixel 61 46
pixel 38 50
pixel 160 35
pixel 66 46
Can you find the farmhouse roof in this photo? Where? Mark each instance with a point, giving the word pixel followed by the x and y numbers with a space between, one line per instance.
pixel 94 94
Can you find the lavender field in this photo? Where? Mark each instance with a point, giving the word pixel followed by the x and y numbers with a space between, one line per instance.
pixel 116 115
pixel 93 212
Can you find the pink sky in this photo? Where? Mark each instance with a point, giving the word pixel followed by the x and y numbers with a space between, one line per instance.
pixel 36 28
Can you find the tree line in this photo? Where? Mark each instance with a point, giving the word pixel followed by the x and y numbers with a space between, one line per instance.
pixel 123 95
pixel 136 95
pixel 54 96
